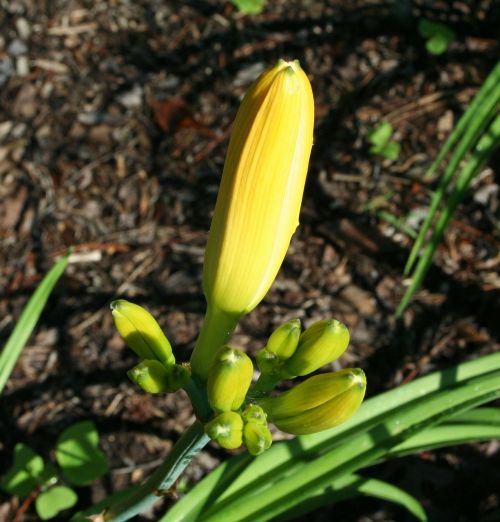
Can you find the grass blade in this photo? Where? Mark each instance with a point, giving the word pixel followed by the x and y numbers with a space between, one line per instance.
pixel 487 145
pixel 29 317
pixel 352 486
pixel 476 118
pixel 489 85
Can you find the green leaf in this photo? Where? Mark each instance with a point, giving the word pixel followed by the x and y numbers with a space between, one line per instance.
pixel 487 145
pixel 352 486
pixel 437 44
pixel 27 321
pixel 21 477
pixel 391 150
pixel 268 499
pixel 438 36
pixel 242 475
pixel 51 502
pixel 468 130
pixel 249 6
pixel 381 144
pixel 78 454
pixel 381 135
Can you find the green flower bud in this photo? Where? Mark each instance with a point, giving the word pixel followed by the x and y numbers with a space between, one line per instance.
pixel 281 345
pixel 319 403
pixel 226 429
pixel 254 413
pixel 153 377
pixel 320 344
pixel 141 332
pixel 229 378
pixel 285 339
pixel 257 438
pixel 267 361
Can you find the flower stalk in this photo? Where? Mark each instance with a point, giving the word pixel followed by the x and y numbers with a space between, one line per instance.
pixel 257 208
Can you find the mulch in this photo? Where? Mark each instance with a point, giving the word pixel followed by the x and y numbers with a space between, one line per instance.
pixel 114 119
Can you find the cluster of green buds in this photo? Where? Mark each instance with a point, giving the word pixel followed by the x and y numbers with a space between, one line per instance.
pixel 241 411
pixel 157 372
pixel 289 353
pixel 229 380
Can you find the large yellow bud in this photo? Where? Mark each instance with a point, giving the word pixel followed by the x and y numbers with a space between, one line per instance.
pixel 319 403
pixel 257 209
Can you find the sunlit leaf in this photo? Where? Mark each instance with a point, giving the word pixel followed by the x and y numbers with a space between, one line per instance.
pixel 51 502
pixel 78 454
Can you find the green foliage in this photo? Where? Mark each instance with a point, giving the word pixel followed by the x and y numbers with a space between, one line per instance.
pixel 51 502
pixel 477 137
pixel 380 138
pixel 78 454
pixel 27 321
pixel 249 6
pixel 438 36
pixel 296 476
pixel 28 471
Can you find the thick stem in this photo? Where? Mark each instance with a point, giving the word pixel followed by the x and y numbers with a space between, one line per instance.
pixel 198 395
pixel 264 385
pixel 215 332
pixel 192 442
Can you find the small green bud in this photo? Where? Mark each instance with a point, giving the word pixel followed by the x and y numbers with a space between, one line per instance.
pixel 141 332
pixel 229 378
pixel 226 429
pixel 153 377
pixel 319 403
pixel 267 361
pixel 285 339
pixel 257 438
pixel 254 413
pixel 320 344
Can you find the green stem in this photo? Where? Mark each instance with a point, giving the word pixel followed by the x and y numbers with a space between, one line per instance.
pixel 198 395
pixel 263 386
pixel 215 332
pixel 192 442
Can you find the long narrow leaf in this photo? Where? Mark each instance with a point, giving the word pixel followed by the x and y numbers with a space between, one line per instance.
pixel 470 426
pixel 444 436
pixel 266 500
pixel 352 486
pixel 472 124
pixel 233 477
pixel 489 85
pixel 487 145
pixel 26 323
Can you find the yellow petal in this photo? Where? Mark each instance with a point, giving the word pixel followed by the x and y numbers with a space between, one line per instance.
pixel 258 205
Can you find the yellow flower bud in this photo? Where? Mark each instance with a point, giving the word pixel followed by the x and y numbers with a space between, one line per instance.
pixel 141 332
pixel 319 403
pixel 256 437
pixel 258 204
pixel 226 429
pixel 153 377
pixel 320 344
pixel 229 379
pixel 257 208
